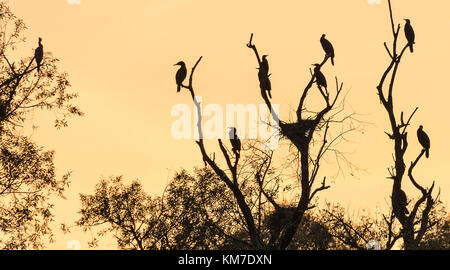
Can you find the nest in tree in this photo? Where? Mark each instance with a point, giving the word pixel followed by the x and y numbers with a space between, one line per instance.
pixel 297 132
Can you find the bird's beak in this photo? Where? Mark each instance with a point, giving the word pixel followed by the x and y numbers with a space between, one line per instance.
pixel 176 65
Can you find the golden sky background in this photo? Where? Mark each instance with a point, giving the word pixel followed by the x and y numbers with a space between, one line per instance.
pixel 120 56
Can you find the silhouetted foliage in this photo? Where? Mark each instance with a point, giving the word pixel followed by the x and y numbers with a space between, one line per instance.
pixel 356 231
pixel 438 238
pixel 22 88
pixel 193 213
pixel 196 212
pixel 126 210
pixel 27 181
pixel 27 173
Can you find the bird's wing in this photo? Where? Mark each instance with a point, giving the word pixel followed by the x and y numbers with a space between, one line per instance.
pixel 39 52
pixel 181 75
pixel 327 46
pixel 409 32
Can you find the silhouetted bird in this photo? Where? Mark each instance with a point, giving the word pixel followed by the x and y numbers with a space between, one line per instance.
pixel 181 74
pixel 399 199
pixel 328 48
pixel 403 201
pixel 235 141
pixel 424 140
pixel 264 81
pixel 320 78
pixel 39 54
pixel 409 33
pixel 265 64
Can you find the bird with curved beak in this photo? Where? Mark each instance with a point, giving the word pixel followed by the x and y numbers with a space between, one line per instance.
pixel 181 75
pixel 39 55
pixel 410 35
pixel 320 78
pixel 328 48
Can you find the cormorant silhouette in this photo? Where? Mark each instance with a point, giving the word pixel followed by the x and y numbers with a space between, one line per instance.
pixel 235 141
pixel 264 81
pixel 39 54
pixel 328 48
pixel 399 198
pixel 320 78
pixel 265 63
pixel 409 33
pixel 403 201
pixel 181 74
pixel 424 140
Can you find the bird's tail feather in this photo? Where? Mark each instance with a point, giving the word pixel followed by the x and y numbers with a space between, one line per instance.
pixel 178 88
pixel 411 48
pixel 427 153
pixel 332 61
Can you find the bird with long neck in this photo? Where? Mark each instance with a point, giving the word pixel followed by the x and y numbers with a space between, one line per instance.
pixel 265 64
pixel 424 140
pixel 320 78
pixel 235 141
pixel 181 75
pixel 39 55
pixel 328 48
pixel 410 35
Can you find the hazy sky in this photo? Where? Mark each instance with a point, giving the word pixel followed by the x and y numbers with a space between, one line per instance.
pixel 120 57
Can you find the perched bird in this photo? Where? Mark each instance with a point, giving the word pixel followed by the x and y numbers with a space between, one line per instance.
pixel 264 81
pixel 402 201
pixel 235 141
pixel 328 48
pixel 265 64
pixel 320 78
pixel 39 54
pixel 424 140
pixel 181 74
pixel 409 33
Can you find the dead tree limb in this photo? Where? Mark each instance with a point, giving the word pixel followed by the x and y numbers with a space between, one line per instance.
pixel 399 135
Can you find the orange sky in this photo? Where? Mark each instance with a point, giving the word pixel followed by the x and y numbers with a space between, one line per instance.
pixel 120 57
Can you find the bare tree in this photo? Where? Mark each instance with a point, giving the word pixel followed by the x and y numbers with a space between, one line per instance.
pixel 301 134
pixel 415 222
